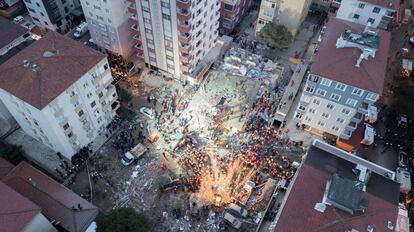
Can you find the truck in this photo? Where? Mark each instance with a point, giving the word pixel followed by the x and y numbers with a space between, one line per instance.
pixel 81 30
pixel 134 154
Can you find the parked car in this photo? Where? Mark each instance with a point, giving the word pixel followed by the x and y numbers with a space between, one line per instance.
pixel 402 159
pixel 402 120
pixel 234 222
pixel 147 112
pixel 18 20
pixel 237 210
pixel 81 30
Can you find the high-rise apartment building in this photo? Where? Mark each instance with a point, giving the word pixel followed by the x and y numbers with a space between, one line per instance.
pixel 232 11
pixel 173 36
pixel 59 92
pixel 54 15
pixel 289 13
pixel 109 25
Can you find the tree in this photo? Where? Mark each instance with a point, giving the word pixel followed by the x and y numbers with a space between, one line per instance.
pixel 124 95
pixel 11 153
pixel 404 98
pixel 275 36
pixel 123 220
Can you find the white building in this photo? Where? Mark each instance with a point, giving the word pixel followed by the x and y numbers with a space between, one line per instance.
pixel 174 37
pixel 378 13
pixel 59 92
pixel 54 15
pixel 346 79
pixel 109 26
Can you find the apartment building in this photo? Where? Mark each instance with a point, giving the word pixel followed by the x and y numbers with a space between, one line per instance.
pixel 59 92
pixel 53 15
pixel 232 11
pixel 288 13
pixel 345 80
pixel 380 14
pixel 108 24
pixel 174 36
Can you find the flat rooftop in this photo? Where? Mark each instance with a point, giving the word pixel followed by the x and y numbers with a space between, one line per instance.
pixel 308 189
pixel 10 31
pixel 338 64
pixel 59 62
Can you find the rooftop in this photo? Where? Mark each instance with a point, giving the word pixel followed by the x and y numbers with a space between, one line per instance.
pixel 55 200
pixel 341 66
pixel 54 63
pixel 12 32
pixel 393 4
pixel 308 189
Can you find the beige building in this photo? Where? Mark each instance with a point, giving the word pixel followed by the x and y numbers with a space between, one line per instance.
pixel 286 12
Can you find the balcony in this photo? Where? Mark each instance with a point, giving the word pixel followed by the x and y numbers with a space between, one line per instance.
pixel 135 27
pixel 136 37
pixel 133 16
pixel 185 67
pixel 137 57
pixel 185 48
pixel 115 105
pixel 183 15
pixel 184 58
pixel 74 99
pixel 131 8
pixel 184 27
pixel 110 90
pixel 184 38
pixel 183 4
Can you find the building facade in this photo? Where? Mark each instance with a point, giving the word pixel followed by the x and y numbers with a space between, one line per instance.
pixel 288 13
pixel 232 11
pixel 53 15
pixel 339 93
pixel 173 36
pixel 67 113
pixel 108 25
pixel 378 13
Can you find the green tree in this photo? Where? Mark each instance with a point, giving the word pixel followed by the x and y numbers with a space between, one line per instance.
pixel 404 98
pixel 124 95
pixel 275 36
pixel 123 220
pixel 10 152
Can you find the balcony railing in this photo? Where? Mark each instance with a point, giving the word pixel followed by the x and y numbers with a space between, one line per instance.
pixel 183 4
pixel 185 58
pixel 184 27
pixel 185 67
pixel 184 38
pixel 135 27
pixel 185 48
pixel 183 15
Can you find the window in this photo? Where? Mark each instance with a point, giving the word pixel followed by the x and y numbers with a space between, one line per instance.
pixel 313 78
pixel 340 120
pixel 166 17
pixel 312 111
pixel 302 107
pixel 298 115
pixel 316 101
pixel 165 4
pixel 66 126
pixel 372 96
pixel 89 95
pixel 321 92
pixel 320 123
pixel 351 102
pixel 310 89
pixel 325 115
pixel 330 106
pixel 308 119
pixel 70 135
pixel 35 122
pixel 335 97
pixel 145 9
pixel 376 10
pixel 357 92
pixel 371 20
pixel 31 10
pixel 361 5
pixel 356 16
pixel 106 66
pixel 345 111
pixel 80 113
pixel 335 128
pixel 93 104
pixel 340 86
pixel 326 82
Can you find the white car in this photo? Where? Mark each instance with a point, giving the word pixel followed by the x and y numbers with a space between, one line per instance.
pixel 237 210
pixel 81 30
pixel 127 159
pixel 147 112
pixel 236 223
pixel 18 20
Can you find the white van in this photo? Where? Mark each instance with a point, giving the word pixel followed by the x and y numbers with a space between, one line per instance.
pixel 81 30
pixel 18 20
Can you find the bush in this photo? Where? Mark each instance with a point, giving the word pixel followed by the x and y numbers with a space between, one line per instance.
pixel 123 220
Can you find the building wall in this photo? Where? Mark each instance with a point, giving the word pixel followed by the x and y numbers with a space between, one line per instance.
pixel 231 13
pixel 4 112
pixel 38 223
pixel 14 43
pixel 350 108
pixel 108 25
pixel 42 17
pixel 360 12
pixel 60 125
pixel 288 13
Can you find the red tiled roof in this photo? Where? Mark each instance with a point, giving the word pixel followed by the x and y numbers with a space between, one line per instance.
pixel 55 200
pixel 339 63
pixel 393 4
pixel 16 211
pixel 298 213
pixel 10 31
pixel 5 167
pixel 56 73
